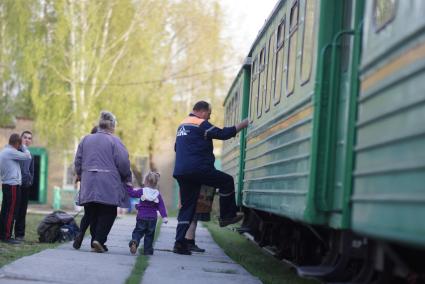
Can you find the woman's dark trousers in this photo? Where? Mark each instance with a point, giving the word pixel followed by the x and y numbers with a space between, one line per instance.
pixel 145 228
pixel 102 218
pixel 85 223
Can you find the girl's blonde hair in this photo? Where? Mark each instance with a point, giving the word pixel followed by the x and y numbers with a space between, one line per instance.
pixel 151 179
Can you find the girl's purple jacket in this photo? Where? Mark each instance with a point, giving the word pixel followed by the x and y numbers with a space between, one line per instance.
pixel 147 209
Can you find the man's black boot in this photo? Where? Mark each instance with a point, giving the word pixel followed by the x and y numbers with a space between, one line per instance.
pixel 181 248
pixel 191 245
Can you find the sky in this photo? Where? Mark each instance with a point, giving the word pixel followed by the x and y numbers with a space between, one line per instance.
pixel 243 21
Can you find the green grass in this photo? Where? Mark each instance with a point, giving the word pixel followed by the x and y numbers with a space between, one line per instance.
pixel 142 261
pixel 172 213
pixel 256 261
pixel 31 245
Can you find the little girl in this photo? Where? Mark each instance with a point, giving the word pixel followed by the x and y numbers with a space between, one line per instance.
pixel 150 202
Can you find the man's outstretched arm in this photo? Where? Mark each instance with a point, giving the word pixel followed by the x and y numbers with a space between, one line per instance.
pixel 214 132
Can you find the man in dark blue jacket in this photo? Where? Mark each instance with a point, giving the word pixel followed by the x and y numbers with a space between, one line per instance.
pixel 27 171
pixel 194 166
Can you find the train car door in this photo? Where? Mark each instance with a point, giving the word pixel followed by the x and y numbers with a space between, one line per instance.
pixel 344 57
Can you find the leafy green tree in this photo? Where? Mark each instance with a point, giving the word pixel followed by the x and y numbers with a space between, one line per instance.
pixel 147 61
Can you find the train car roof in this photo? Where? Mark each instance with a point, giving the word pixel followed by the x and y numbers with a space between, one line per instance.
pixel 246 63
pixel 266 24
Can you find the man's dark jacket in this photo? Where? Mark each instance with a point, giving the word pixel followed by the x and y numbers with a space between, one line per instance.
pixel 27 170
pixel 194 145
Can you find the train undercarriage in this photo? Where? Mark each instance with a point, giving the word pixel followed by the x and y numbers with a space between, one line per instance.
pixel 334 256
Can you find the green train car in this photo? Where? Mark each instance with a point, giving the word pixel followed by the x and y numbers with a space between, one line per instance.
pixel 331 171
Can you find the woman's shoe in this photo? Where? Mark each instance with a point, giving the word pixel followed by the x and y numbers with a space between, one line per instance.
pixel 97 247
pixel 78 240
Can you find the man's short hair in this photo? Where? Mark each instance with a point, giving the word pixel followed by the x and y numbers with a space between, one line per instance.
pixel 15 139
pixel 201 105
pixel 26 132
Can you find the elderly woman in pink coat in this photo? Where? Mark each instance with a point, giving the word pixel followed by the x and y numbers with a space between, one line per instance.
pixel 102 164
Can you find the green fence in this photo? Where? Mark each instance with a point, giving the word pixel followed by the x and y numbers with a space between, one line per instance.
pixel 63 198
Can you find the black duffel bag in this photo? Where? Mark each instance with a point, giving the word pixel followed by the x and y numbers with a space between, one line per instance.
pixel 58 226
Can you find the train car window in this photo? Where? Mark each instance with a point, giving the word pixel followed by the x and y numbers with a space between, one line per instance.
pixel 229 114
pixel 230 111
pixel 261 82
pixel 241 99
pixel 226 115
pixel 237 103
pixel 270 73
pixel 235 107
pixel 307 49
pixel 254 89
pixel 278 65
pixel 292 51
pixel 383 13
pixel 229 120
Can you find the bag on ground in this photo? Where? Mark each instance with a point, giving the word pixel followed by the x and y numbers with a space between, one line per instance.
pixel 58 226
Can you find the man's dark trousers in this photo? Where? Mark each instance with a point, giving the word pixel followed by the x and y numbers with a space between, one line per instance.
pixel 9 208
pixel 22 212
pixel 190 186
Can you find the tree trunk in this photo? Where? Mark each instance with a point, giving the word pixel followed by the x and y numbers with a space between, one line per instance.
pixel 151 147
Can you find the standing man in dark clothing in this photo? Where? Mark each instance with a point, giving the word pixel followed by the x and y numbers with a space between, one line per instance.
pixel 11 179
pixel 194 166
pixel 27 171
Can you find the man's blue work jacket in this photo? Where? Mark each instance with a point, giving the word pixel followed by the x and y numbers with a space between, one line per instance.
pixel 194 145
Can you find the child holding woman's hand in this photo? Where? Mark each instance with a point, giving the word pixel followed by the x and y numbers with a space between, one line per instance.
pixel 150 202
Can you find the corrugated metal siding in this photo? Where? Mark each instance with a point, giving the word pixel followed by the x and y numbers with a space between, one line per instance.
pixel 277 169
pixel 389 178
pixel 230 161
